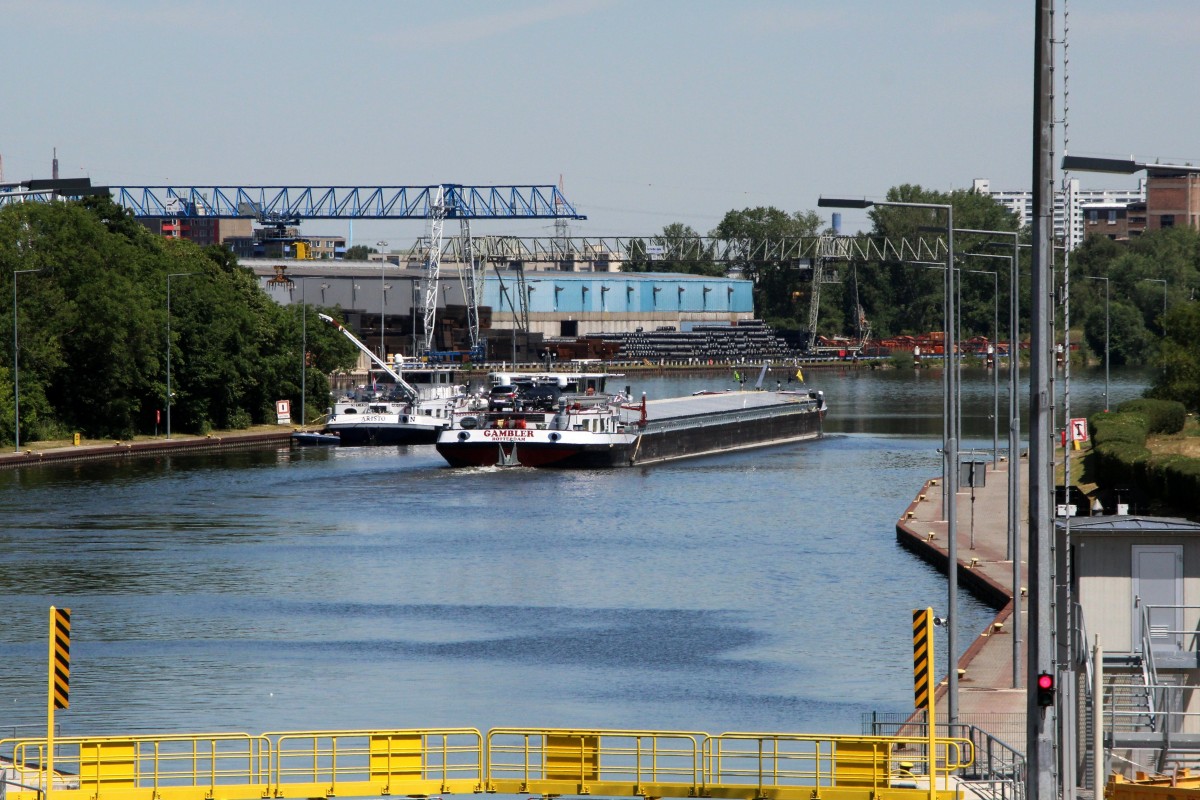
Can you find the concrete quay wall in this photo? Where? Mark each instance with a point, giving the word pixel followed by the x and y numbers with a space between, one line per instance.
pixel 35 454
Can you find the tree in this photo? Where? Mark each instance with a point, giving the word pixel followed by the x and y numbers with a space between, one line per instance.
pixel 359 252
pixel 684 251
pixel 1135 270
pixel 900 296
pixel 93 328
pixel 776 284
pixel 1179 358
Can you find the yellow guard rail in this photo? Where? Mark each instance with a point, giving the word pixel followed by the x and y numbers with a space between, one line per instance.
pixel 545 761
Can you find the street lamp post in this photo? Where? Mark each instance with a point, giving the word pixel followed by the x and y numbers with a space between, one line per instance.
pixel 1106 318
pixel 172 275
pixel 17 365
pixel 995 352
pixel 382 304
pixel 950 435
pixel 1014 439
pixel 303 354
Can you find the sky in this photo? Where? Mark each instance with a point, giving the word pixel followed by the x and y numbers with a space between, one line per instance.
pixel 650 112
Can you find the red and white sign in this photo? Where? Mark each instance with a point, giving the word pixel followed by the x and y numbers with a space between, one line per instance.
pixel 283 412
pixel 1079 429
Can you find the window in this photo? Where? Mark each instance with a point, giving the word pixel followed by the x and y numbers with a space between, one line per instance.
pixel 1166 221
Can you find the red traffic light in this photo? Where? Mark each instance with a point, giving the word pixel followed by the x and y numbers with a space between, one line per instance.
pixel 1045 689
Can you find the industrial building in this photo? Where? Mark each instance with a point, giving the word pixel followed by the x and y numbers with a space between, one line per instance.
pixel 379 299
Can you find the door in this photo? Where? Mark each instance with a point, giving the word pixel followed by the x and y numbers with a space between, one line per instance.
pixel 1158 587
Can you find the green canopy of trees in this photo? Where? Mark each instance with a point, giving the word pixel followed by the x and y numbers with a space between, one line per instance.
pixel 91 304
pixel 899 295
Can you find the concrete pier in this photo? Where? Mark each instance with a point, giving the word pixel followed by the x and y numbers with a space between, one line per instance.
pixel 985 684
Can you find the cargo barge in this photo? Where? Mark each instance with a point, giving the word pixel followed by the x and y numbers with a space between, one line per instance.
pixel 609 431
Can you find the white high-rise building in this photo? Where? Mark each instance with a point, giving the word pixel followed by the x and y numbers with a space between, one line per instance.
pixel 1067 205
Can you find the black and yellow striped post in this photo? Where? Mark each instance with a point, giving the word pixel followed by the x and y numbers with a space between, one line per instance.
pixel 923 685
pixel 922 630
pixel 59 682
pixel 60 656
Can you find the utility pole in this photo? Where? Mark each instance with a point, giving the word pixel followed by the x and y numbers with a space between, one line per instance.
pixel 1041 783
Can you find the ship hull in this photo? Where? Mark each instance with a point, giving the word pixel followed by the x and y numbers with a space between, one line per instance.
pixel 366 433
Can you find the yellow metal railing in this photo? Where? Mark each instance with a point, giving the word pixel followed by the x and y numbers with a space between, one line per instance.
pixel 611 762
pixel 546 761
pixel 733 765
pixel 135 767
pixel 376 763
pixel 778 764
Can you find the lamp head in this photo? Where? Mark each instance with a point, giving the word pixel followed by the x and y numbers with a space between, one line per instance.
pixel 840 202
pixel 1121 166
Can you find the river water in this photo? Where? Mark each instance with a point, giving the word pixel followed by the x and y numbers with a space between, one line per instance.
pixel 354 588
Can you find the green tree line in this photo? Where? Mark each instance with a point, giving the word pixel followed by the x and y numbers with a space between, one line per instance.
pixel 91 326
pixel 1151 316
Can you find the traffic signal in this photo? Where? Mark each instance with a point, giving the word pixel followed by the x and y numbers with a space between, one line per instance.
pixel 1045 689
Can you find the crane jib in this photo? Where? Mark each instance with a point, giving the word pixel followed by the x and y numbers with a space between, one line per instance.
pixel 409 392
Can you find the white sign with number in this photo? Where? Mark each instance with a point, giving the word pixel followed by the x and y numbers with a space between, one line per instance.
pixel 283 412
pixel 1079 429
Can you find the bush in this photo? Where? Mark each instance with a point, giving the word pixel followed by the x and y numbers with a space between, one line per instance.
pixel 1119 462
pixel 1123 427
pixel 1162 416
pixel 1120 455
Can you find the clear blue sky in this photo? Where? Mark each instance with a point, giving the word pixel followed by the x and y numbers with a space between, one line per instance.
pixel 652 112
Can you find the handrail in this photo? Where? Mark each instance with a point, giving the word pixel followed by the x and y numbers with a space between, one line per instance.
pixel 1153 698
pixel 1082 653
pixel 999 769
pixel 546 761
pixel 1194 633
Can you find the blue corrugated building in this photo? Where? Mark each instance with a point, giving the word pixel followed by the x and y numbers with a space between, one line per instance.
pixel 574 304
pixel 558 303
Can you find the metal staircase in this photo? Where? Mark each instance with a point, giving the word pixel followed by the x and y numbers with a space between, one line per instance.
pixel 1144 707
